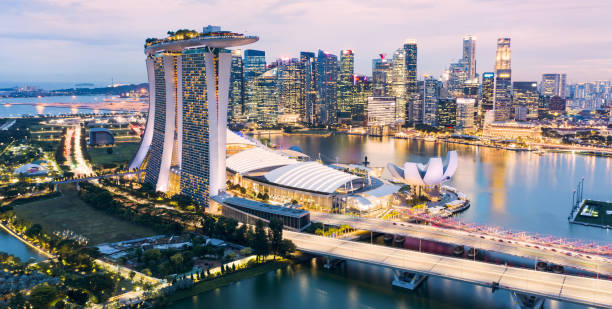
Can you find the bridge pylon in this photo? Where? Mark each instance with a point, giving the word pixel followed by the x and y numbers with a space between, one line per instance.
pixel 331 263
pixel 407 280
pixel 526 301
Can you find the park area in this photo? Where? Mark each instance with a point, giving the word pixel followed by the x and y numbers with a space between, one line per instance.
pixel 69 212
pixel 120 153
pixel 595 213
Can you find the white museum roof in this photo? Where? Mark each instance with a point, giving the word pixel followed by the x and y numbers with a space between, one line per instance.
pixel 256 159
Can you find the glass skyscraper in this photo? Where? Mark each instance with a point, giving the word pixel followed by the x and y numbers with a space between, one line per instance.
pixel 254 65
pixel 503 80
pixel 525 95
pixel 309 97
pixel 414 109
pixel 327 88
pixel 345 84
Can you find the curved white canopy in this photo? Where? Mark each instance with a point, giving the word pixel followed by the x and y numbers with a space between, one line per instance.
pixel 311 176
pixel 434 172
pixel 256 159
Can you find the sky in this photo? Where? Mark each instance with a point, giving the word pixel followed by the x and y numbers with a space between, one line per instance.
pixel 100 40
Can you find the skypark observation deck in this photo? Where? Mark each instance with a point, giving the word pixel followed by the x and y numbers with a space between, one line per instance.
pixel 219 40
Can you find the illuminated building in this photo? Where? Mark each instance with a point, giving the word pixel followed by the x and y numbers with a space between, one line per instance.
pixel 469 55
pixel 557 105
pixel 363 90
pixel 381 76
pixel 457 76
pixel 525 95
pixel 309 97
pixel 431 94
pixel 414 108
pixel 236 96
pixel 381 111
pixel 513 130
pixel 553 85
pixel 345 85
pixel 487 95
pixel 447 112
pixel 290 91
pixel 327 88
pixel 266 97
pixel 398 83
pixel 503 80
pixel 434 173
pixel 254 64
pixel 183 146
pixel 465 114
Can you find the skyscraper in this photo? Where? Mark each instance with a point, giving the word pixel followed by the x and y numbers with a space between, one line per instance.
pixel 414 108
pixel 447 112
pixel 431 94
pixel 254 65
pixel 525 95
pixel 553 85
pixel 345 84
pixel 469 55
pixel 503 80
pixel 308 65
pixel 290 91
pixel 236 97
pixel 363 90
pixel 398 83
pixel 327 88
pixel 183 147
pixel 266 97
pixel 465 114
pixel 381 76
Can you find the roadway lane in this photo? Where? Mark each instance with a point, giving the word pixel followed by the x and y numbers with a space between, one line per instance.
pixel 596 264
pixel 580 290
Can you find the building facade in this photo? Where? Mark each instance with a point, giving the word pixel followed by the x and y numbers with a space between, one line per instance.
pixel 345 85
pixel 503 80
pixel 327 88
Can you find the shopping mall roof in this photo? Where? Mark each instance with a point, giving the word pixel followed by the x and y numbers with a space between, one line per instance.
pixel 237 138
pixel 311 176
pixel 256 159
pixel 274 209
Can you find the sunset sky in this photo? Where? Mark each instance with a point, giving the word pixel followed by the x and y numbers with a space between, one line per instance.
pixel 96 40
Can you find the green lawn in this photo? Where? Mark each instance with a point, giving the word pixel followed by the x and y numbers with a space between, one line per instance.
pixel 69 212
pixel 122 153
pixel 598 211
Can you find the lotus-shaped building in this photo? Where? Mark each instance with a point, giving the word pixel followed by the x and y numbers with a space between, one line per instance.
pixel 434 173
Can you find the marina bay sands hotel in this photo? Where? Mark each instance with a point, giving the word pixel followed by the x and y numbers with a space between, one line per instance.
pixel 183 146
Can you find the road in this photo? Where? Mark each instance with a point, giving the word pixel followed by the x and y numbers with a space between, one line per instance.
pixel 599 265
pixel 580 290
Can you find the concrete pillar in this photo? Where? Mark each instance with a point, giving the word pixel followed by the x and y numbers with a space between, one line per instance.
pixel 77 186
pixel 526 301
pixel 331 263
pixel 407 280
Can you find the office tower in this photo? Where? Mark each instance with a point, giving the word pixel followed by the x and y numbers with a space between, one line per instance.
pixel 447 112
pixel 345 84
pixel 381 76
pixel 557 105
pixel 236 93
pixel 381 111
pixel 525 95
pixel 458 74
pixel 431 94
pixel 363 90
pixel 327 88
pixel 183 147
pixel 503 80
pixel 254 64
pixel 413 108
pixel 308 64
pixel 465 114
pixel 471 88
pixel 398 83
pixel 266 97
pixel 553 85
pixel 469 55
pixel 487 93
pixel 290 91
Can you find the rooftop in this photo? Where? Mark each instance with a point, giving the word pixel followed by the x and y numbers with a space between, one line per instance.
pixel 311 176
pixel 255 205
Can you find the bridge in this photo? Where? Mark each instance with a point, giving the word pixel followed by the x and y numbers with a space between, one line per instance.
pixel 528 287
pixel 491 242
pixel 77 180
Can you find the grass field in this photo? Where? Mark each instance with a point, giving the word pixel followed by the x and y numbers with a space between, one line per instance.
pixel 122 153
pixel 598 211
pixel 69 212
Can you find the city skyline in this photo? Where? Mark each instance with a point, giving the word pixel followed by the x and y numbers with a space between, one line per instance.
pixel 558 37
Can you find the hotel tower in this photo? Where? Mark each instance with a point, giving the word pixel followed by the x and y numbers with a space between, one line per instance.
pixel 183 146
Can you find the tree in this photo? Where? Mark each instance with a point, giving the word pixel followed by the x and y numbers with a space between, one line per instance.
pixel 17 301
pixel 177 259
pixel 42 296
pixel 79 296
pixel 286 247
pixel 100 285
pixel 208 225
pixel 260 245
pixel 34 230
pixel 275 235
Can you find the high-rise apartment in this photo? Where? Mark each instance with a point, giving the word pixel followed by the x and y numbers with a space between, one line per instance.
pixel 183 147
pixel 525 96
pixel 254 64
pixel 309 97
pixel 327 88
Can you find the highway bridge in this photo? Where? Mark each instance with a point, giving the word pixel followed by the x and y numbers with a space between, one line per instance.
pixel 524 284
pixel 596 264
pixel 77 180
